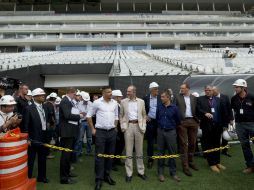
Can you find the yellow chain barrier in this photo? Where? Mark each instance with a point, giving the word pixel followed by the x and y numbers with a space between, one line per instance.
pixel 58 148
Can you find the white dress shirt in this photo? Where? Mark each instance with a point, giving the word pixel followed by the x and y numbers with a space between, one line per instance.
pixel 188 112
pixel 133 110
pixel 106 113
pixel 42 115
pixel 84 108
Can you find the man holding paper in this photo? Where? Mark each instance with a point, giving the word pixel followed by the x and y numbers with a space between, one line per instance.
pixel 69 128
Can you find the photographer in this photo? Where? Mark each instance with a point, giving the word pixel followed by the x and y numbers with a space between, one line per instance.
pixel 8 120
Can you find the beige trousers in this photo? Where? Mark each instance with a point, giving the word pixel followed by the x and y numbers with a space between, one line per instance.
pixel 134 137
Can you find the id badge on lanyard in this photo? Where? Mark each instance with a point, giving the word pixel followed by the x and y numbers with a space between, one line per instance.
pixel 212 110
pixel 241 111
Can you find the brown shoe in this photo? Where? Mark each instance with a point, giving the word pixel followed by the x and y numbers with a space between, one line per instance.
pixel 221 167
pixel 215 169
pixel 187 172
pixel 248 170
pixel 161 178
pixel 193 166
pixel 176 178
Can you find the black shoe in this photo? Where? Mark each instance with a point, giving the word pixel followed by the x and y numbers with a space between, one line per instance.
pixel 128 179
pixel 149 165
pixel 44 180
pixel 144 177
pixel 98 185
pixel 109 180
pixel 68 181
pixel 226 154
pixel 73 175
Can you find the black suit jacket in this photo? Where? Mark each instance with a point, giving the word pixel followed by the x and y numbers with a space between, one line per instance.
pixel 203 107
pixel 147 102
pixel 32 123
pixel 180 102
pixel 65 115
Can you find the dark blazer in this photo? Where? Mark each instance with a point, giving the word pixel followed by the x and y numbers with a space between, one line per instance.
pixel 65 115
pixel 226 102
pixel 180 103
pixel 51 112
pixel 203 107
pixel 147 102
pixel 32 122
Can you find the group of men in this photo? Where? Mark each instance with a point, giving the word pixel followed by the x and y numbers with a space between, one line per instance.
pixel 119 123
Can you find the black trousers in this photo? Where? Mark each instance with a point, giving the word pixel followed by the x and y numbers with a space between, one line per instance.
pixel 224 143
pixel 211 135
pixel 120 143
pixel 65 161
pixel 104 144
pixel 41 151
pixel 151 136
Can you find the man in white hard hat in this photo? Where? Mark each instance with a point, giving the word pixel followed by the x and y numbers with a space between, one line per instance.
pixel 243 105
pixel 50 105
pixel 57 103
pixel 151 102
pixel 29 97
pixel 84 105
pixel 250 50
pixel 226 56
pixel 7 118
pixel 35 123
pixel 117 96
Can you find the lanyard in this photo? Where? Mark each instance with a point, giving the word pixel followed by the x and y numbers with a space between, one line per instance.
pixel 210 100
pixel 42 111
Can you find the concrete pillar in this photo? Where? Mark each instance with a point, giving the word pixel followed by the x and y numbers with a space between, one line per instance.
pixel 117 6
pixel 84 8
pixel 88 47
pixel 27 48
pixel 150 6
pixel 66 7
pixel 148 46
pixel 229 7
pixel 214 7
pixel 58 47
pixel 177 46
pixel 100 7
pixel 134 7
pixel 182 7
pixel 60 35
pixel 197 6
pixel 15 7
pixel 166 5
pixel 118 35
pixel 49 7
pixel 31 35
pixel 244 10
pixel 118 47
pixel 32 7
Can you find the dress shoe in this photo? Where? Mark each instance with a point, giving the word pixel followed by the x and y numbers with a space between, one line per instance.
pixel 176 178
pixel 226 154
pixel 109 180
pixel 193 166
pixel 73 175
pixel 221 167
pixel 161 178
pixel 128 179
pixel 187 172
pixel 248 170
pixel 98 185
pixel 144 177
pixel 149 165
pixel 68 181
pixel 215 169
pixel 44 180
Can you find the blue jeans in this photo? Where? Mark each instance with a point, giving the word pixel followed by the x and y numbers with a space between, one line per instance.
pixel 85 129
pixel 245 131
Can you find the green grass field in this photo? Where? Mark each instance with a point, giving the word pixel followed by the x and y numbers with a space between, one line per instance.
pixel 204 179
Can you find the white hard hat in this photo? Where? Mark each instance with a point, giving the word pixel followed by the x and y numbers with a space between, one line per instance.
pixel 226 136
pixel 38 92
pixel 227 48
pixel 153 85
pixel 58 100
pixel 199 133
pixel 29 93
pixel 7 100
pixel 85 96
pixel 117 93
pixel 78 93
pixel 53 95
pixel 240 82
pixel 63 96
pixel 196 94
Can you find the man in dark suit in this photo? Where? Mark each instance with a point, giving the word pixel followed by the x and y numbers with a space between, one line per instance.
pixel 35 123
pixel 229 115
pixel 152 100
pixel 187 130
pixel 212 119
pixel 69 129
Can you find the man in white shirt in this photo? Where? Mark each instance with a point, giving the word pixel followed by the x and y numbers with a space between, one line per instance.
pixel 106 111
pixel 133 124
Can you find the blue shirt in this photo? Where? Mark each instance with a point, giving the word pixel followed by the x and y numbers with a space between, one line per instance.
pixel 167 116
pixel 153 107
